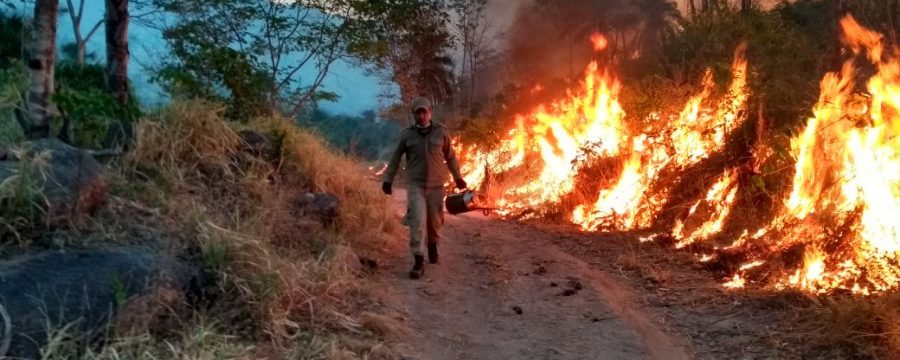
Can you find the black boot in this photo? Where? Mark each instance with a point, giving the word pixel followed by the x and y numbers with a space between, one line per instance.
pixel 432 253
pixel 418 268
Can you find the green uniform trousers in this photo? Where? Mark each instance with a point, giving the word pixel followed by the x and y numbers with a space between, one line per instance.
pixel 425 216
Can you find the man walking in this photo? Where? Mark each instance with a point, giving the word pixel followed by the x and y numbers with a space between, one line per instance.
pixel 428 150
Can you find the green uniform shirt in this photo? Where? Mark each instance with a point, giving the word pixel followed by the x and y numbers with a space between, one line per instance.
pixel 427 155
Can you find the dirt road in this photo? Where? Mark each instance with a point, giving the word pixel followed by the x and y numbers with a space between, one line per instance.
pixel 505 291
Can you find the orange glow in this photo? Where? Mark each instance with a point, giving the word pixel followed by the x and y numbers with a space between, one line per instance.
pixel 599 41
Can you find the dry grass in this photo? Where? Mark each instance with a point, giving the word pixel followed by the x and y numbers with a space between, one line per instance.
pixel 867 326
pixel 284 286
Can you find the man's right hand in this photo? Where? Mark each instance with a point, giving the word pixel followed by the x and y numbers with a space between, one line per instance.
pixel 386 187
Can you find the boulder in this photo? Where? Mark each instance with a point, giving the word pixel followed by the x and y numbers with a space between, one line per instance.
pixel 73 183
pixel 79 291
pixel 323 206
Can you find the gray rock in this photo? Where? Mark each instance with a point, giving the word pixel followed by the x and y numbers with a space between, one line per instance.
pixel 75 184
pixel 326 207
pixel 81 289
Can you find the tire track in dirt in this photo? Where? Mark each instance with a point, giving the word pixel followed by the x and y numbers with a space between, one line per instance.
pixel 503 291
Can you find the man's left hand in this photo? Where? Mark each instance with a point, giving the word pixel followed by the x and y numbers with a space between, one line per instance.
pixel 461 184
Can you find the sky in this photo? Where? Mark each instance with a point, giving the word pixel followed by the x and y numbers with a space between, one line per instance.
pixel 357 90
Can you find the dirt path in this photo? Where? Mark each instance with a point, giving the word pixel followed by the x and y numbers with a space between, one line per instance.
pixel 505 291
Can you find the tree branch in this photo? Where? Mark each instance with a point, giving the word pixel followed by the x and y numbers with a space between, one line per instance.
pixel 93 30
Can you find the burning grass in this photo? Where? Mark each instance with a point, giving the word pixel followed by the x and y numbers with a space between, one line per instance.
pixel 709 181
pixel 283 285
pixel 713 182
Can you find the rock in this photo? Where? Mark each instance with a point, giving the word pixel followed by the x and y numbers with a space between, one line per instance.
pixel 80 289
pixel 518 310
pixel 74 186
pixel 324 206
pixel 259 144
pixel 575 284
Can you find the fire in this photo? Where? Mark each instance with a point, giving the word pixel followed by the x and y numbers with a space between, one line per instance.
pixel 535 166
pixel 847 176
pixel 548 141
pixel 736 282
pixel 599 41
pixel 719 198
pixel 380 171
pixel 696 133
pixel 839 213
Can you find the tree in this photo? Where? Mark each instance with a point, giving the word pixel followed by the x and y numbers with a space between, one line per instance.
pixel 412 45
pixel 77 15
pixel 283 50
pixel 471 27
pixel 117 49
pixel 40 69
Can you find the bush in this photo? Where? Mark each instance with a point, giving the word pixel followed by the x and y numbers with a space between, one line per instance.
pixel 13 81
pixel 785 61
pixel 81 97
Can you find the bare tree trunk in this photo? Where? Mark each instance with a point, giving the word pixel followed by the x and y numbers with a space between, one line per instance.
pixel 746 5
pixel 40 68
pixel 692 8
pixel 117 49
pixel 80 39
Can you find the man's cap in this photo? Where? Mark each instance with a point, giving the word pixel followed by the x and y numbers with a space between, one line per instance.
pixel 421 103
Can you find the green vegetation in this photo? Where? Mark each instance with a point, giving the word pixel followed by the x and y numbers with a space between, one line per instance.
pixel 365 137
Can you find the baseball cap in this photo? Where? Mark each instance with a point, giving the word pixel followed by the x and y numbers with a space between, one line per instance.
pixel 421 103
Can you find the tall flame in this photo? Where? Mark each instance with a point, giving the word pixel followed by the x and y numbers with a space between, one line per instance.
pixel 695 134
pixel 847 176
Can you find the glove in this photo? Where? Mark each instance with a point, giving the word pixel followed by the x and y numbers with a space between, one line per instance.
pixel 461 184
pixel 386 187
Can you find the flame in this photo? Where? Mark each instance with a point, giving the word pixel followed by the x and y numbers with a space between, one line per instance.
pixel 599 41
pixel 380 171
pixel 720 197
pixel 736 282
pixel 695 134
pixel 846 179
pixel 839 212
pixel 549 140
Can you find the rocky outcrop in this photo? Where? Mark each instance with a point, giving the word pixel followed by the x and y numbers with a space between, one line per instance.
pixel 81 292
pixel 70 183
pixel 322 206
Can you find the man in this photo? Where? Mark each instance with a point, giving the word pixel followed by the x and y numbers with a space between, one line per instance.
pixel 428 150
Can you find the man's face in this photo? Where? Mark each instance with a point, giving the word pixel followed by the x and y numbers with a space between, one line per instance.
pixel 423 117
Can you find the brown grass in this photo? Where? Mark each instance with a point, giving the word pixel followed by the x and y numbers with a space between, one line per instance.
pixel 285 286
pixel 864 325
